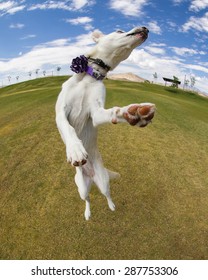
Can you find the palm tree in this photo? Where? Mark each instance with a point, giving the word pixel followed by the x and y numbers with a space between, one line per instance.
pixel 175 82
pixel 36 72
pixel 193 81
pixel 186 82
pixel 155 77
pixel 58 69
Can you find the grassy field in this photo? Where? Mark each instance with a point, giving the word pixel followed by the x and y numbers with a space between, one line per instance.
pixel 161 199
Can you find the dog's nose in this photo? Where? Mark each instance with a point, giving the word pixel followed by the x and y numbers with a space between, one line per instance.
pixel 145 29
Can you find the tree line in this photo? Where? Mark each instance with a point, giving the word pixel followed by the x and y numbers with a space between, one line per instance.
pixel 37 73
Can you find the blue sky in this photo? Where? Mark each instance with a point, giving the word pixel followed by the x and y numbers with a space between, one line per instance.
pixel 46 34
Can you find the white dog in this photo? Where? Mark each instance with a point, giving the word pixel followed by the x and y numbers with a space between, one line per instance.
pixel 80 109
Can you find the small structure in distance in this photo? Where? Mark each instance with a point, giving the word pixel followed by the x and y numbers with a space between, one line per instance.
pixel 175 82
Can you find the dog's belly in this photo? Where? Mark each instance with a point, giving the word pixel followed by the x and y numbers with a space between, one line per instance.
pixel 88 136
pixel 86 132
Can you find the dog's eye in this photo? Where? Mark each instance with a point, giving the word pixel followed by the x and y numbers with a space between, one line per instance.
pixel 120 31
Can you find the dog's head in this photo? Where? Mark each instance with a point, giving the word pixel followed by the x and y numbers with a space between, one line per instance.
pixel 117 46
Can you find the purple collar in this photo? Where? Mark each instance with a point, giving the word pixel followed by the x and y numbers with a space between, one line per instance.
pixel 94 73
pixel 80 65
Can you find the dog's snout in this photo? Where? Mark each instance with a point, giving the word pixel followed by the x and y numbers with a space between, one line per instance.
pixel 145 29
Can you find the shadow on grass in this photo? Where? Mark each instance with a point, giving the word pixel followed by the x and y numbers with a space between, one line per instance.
pixel 172 90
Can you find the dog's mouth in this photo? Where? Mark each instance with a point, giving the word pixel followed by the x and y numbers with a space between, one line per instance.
pixel 143 34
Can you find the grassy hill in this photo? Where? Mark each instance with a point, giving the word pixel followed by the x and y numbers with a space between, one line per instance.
pixel 161 199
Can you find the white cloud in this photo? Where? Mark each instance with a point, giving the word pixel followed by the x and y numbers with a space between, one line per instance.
pixel 84 40
pixel 11 7
pixel 47 5
pixel 16 25
pixel 143 62
pixel 63 5
pixel 171 26
pixel 56 52
pixel 6 5
pixel 177 1
pixel 79 4
pixel 150 62
pixel 54 43
pixel 14 10
pixel 204 64
pixel 79 20
pixel 197 5
pixel 198 68
pixel 202 83
pixel 28 36
pixel 85 21
pixel 158 45
pixel 154 27
pixel 128 7
pixel 199 24
pixel 186 51
pixel 155 50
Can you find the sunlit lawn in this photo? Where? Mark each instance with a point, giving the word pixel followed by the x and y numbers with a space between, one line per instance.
pixel 161 199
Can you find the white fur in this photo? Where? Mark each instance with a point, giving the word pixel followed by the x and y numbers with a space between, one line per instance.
pixel 80 109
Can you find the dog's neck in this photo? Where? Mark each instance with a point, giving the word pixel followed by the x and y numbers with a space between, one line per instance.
pixel 100 63
pixel 97 68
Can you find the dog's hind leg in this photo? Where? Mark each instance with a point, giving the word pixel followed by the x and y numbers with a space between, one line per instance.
pixel 83 183
pixel 101 179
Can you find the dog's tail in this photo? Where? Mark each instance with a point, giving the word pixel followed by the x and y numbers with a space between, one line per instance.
pixel 113 175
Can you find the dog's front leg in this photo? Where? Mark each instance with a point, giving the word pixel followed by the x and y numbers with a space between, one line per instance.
pixel 75 151
pixel 134 114
pixel 138 114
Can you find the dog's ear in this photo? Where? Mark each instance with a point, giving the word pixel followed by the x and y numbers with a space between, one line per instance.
pixel 96 35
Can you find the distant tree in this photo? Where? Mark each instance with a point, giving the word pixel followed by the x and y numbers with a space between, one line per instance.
pixel 36 72
pixel 44 73
pixel 9 79
pixel 58 69
pixel 30 74
pixel 155 76
pixel 175 80
pixel 193 81
pixel 17 78
pixel 186 82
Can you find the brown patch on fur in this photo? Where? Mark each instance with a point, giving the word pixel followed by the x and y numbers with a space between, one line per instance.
pixel 131 121
pixel 114 121
pixel 84 161
pixel 144 110
pixel 151 115
pixel 78 163
pixel 143 125
pixel 133 110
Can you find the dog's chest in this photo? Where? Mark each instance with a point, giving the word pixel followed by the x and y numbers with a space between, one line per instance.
pixel 79 113
pixel 80 97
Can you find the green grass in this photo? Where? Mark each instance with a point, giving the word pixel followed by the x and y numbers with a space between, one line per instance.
pixel 161 199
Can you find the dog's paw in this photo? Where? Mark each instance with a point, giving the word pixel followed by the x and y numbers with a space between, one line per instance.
pixel 87 214
pixel 112 206
pixel 76 154
pixel 139 114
